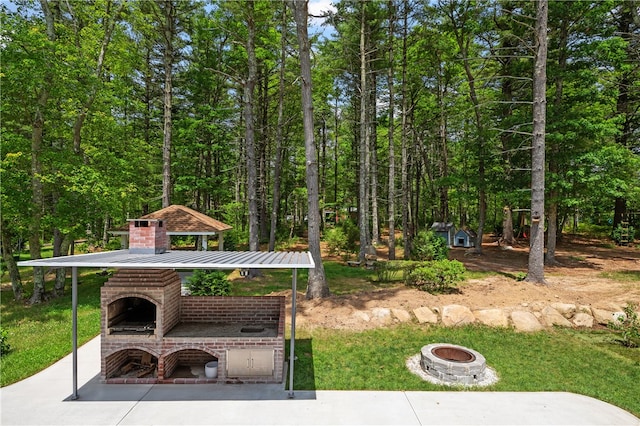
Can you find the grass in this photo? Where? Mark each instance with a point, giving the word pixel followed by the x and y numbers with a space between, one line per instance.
pixel 559 360
pixel 342 280
pixel 623 276
pixel 40 334
pixel 584 362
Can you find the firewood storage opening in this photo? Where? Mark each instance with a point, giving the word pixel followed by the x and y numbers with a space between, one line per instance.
pixel 132 364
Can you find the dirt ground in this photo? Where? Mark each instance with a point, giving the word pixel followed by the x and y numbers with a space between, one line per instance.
pixel 584 275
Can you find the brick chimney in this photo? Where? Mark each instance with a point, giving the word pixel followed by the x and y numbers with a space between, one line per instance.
pixel 147 236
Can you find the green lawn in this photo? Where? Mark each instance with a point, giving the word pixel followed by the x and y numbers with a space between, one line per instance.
pixel 40 334
pixel 585 362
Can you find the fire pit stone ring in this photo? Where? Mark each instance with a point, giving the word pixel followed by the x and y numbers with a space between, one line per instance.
pixel 453 363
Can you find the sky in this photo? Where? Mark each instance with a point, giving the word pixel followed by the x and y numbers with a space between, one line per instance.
pixel 319 7
pixel 316 7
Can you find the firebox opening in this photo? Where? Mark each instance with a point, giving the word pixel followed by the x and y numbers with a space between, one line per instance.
pixel 132 315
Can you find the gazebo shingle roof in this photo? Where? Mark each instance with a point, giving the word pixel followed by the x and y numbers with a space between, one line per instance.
pixel 181 219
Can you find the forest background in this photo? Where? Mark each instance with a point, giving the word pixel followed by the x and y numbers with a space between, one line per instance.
pixel 422 112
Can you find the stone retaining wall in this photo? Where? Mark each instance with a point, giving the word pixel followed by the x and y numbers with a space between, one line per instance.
pixel 525 317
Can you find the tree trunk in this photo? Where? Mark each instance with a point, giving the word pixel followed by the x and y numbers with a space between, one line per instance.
pixel 373 149
pixel 61 273
pixel 554 195
pixel 363 190
pixel 392 160
pixel 169 30
pixel 507 225
pixel 12 267
pixel 463 40
pixel 37 200
pixel 443 155
pixel 624 108
pixel 275 207
pixel 262 149
pixel 247 99
pixel 37 197
pixel 404 166
pixel 317 286
pixel 535 273
pixel 507 43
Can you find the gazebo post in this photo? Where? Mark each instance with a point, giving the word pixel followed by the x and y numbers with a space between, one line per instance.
pixel 74 328
pixel 292 341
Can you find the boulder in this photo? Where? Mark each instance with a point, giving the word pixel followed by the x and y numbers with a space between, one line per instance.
pixel 362 316
pixel 551 317
pixel 401 315
pixel 456 315
pixel 618 317
pixel 492 317
pixel 537 306
pixel 381 314
pixel 582 319
pixel 602 316
pixel 525 321
pixel 567 310
pixel 424 314
pixel 585 308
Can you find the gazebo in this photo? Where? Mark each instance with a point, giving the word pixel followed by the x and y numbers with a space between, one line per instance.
pixel 181 220
pixel 134 259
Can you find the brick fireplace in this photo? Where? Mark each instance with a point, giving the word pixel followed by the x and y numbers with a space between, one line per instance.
pixel 150 333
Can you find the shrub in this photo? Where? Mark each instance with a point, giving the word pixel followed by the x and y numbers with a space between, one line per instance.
pixel 343 239
pixel 429 246
pixel 388 270
pixel 232 239
pixel 4 344
pixel 208 283
pixel 287 243
pixel 616 234
pixel 336 240
pixel 113 244
pixel 627 326
pixel 352 232
pixel 437 276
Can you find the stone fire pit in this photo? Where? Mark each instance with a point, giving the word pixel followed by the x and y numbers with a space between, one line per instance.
pixel 443 363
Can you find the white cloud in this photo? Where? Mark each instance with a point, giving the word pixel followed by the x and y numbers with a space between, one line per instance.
pixel 319 7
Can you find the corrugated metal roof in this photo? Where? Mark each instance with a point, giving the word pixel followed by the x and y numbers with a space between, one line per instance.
pixel 181 260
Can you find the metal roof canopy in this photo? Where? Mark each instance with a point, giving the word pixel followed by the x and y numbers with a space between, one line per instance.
pixel 122 259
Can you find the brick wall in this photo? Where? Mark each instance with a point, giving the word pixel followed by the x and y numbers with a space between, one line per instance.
pixel 231 309
pixel 162 287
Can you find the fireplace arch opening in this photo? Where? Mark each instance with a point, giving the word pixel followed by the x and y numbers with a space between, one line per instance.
pixel 131 316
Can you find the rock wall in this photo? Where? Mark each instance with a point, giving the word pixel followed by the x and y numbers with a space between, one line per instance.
pixel 525 317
